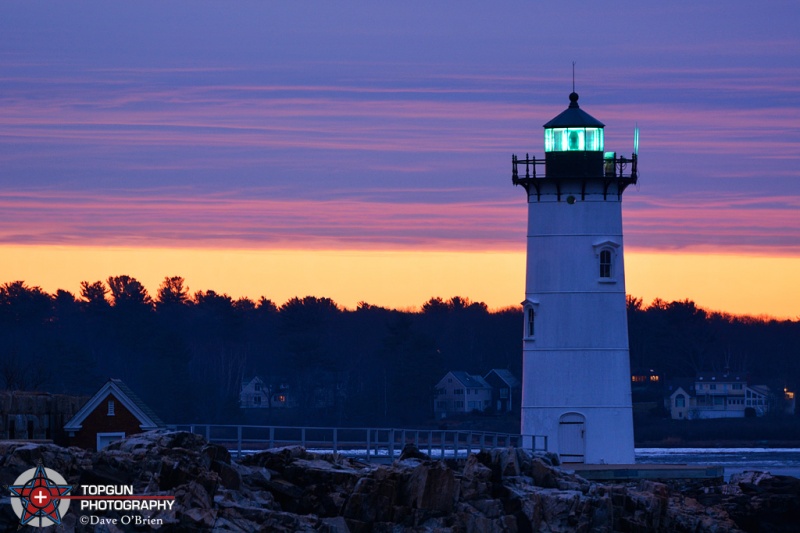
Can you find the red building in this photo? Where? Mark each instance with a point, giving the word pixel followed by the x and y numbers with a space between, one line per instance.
pixel 112 413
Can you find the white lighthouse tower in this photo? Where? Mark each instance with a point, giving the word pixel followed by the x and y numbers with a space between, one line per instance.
pixel 576 392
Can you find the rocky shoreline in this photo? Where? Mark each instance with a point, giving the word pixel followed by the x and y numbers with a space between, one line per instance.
pixel 291 490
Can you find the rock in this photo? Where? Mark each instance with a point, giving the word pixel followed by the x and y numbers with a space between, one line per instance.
pixel 761 501
pixel 505 490
pixel 373 499
pixel 276 458
pixel 432 486
pixel 506 461
pixel 476 479
pixel 410 451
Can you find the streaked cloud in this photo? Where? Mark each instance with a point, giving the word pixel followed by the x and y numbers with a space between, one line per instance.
pixel 253 219
pixel 388 127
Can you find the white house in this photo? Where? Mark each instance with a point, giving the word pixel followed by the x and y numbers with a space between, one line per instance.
pixel 719 395
pixel 256 394
pixel 459 392
pixel 680 403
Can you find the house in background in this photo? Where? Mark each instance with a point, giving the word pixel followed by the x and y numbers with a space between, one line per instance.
pixel 257 394
pixel 680 402
pixel 459 392
pixel 506 390
pixel 718 395
pixel 114 412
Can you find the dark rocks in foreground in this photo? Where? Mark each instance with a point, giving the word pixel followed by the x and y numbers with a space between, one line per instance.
pixel 291 490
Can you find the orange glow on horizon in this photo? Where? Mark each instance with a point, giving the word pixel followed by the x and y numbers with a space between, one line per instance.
pixel 737 284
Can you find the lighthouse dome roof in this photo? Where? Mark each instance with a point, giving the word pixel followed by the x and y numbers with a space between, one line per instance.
pixel 574 117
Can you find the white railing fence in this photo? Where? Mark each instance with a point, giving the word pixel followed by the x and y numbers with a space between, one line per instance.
pixel 366 443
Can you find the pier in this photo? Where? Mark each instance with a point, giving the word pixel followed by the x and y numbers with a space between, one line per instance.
pixel 645 471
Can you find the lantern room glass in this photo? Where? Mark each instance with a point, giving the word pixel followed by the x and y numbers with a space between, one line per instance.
pixel 573 139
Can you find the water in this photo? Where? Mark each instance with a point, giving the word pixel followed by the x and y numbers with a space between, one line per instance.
pixel 777 461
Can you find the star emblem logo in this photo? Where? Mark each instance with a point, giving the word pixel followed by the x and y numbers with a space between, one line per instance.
pixel 37 497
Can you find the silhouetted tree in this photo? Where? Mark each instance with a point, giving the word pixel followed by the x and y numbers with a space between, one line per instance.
pixel 25 320
pixel 20 303
pixel 244 305
pixel 435 305
pixel 172 292
pixel 307 326
pixel 94 295
pixel 128 291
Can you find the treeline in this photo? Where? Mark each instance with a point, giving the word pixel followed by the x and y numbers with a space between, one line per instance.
pixel 186 354
pixel 680 339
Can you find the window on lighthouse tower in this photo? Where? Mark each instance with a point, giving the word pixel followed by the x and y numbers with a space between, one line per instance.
pixel 605 264
pixel 529 312
pixel 530 324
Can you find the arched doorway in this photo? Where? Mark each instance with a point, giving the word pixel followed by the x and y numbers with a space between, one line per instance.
pixel 572 438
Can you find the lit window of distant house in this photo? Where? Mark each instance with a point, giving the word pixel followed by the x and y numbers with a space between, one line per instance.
pixel 680 400
pixel 110 407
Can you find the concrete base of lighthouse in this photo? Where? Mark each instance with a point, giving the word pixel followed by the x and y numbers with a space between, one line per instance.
pixel 577 404
pixel 582 435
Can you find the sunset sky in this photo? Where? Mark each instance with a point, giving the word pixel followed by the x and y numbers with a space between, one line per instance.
pixel 362 150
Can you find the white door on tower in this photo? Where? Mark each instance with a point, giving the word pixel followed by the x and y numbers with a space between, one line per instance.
pixel 572 438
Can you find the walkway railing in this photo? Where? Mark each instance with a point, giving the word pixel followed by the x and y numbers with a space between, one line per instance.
pixel 367 443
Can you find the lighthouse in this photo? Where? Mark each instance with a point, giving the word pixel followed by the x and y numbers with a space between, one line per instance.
pixel 576 391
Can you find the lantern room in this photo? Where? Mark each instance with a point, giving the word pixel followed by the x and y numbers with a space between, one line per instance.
pixel 573 144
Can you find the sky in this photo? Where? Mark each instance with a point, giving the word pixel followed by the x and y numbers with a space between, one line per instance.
pixel 362 150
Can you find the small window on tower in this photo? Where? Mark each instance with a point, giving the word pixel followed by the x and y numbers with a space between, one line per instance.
pixel 530 323
pixel 530 313
pixel 530 310
pixel 605 264
pixel 606 252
